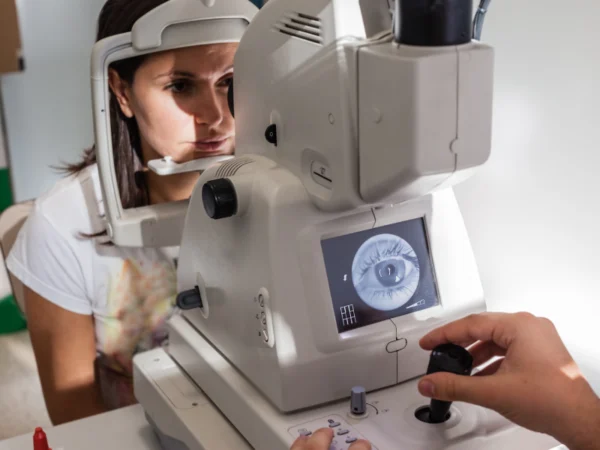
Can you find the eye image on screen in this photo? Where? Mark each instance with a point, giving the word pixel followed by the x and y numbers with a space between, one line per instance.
pixel 385 272
pixel 379 274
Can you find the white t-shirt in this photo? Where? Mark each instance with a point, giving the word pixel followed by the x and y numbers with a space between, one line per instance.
pixel 130 292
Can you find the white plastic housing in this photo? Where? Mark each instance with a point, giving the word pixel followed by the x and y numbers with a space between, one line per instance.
pixel 385 123
pixel 425 118
pixel 269 260
pixel 305 84
pixel 174 24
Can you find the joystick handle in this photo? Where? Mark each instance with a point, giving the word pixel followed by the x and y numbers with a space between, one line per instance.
pixel 447 358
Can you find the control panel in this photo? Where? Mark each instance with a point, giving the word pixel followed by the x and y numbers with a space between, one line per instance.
pixel 263 318
pixel 344 434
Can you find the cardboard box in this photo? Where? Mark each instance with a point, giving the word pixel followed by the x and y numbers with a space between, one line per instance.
pixel 10 38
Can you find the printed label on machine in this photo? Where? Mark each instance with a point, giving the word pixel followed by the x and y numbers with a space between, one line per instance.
pixel 379 274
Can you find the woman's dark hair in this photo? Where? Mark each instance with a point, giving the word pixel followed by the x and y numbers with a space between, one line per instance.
pixel 117 17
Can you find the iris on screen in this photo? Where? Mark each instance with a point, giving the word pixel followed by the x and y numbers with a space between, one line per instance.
pixel 385 272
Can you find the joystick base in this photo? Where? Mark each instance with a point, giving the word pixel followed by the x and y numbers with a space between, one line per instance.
pixel 424 415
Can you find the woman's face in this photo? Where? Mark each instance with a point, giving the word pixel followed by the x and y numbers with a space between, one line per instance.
pixel 179 100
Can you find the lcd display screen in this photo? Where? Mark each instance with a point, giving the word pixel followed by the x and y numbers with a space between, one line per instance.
pixel 379 274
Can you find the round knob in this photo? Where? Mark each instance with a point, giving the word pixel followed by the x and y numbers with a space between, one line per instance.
pixel 219 198
pixel 447 358
pixel 358 401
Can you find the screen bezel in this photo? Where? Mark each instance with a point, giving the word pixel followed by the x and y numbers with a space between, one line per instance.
pixel 316 284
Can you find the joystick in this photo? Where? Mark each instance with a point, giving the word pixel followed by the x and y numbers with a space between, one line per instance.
pixel 444 358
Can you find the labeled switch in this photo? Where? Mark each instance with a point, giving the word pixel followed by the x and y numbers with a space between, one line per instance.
pixel 321 174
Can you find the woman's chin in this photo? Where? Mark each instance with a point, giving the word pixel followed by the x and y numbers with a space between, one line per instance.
pixel 203 154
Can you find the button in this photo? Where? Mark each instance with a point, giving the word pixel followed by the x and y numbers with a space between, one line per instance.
pixel 351 439
pixel 342 432
pixel 321 174
pixel 397 345
pixel 263 318
pixel 265 335
pixel 261 300
pixel 333 423
pixel 304 432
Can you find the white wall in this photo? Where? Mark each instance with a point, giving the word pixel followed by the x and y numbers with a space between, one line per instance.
pixel 534 212
pixel 48 107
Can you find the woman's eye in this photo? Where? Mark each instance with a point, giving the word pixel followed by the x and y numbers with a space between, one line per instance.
pixel 226 82
pixel 180 86
pixel 385 272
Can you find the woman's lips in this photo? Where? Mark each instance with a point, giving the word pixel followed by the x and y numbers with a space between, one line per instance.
pixel 211 146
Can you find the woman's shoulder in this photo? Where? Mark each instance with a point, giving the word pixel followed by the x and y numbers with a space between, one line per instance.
pixel 74 203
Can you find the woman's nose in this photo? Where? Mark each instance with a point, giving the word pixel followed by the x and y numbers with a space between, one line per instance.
pixel 209 110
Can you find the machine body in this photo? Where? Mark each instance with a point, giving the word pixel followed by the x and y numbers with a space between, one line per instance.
pixel 345 244
pixel 281 293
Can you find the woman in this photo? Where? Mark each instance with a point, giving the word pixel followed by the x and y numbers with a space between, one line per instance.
pixel 92 306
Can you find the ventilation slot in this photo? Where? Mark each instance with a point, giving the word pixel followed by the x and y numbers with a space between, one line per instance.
pixel 230 168
pixel 301 26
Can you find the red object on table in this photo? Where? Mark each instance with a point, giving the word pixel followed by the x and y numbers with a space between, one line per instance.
pixel 40 442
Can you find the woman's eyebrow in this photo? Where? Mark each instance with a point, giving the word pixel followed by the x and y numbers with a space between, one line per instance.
pixel 175 73
pixel 184 74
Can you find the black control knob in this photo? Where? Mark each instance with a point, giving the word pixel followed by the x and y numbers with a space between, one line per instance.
pixel 447 358
pixel 219 198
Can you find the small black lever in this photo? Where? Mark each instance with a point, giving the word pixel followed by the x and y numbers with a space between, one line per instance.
pixel 191 299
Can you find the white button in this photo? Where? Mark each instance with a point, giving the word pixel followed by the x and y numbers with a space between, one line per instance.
pixel 397 345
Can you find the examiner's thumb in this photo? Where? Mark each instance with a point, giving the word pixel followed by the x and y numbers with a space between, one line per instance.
pixel 360 445
pixel 450 387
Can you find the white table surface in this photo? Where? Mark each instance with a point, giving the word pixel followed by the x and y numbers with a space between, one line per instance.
pixel 125 429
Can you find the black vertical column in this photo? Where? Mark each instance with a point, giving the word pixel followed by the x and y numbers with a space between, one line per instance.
pixel 436 23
